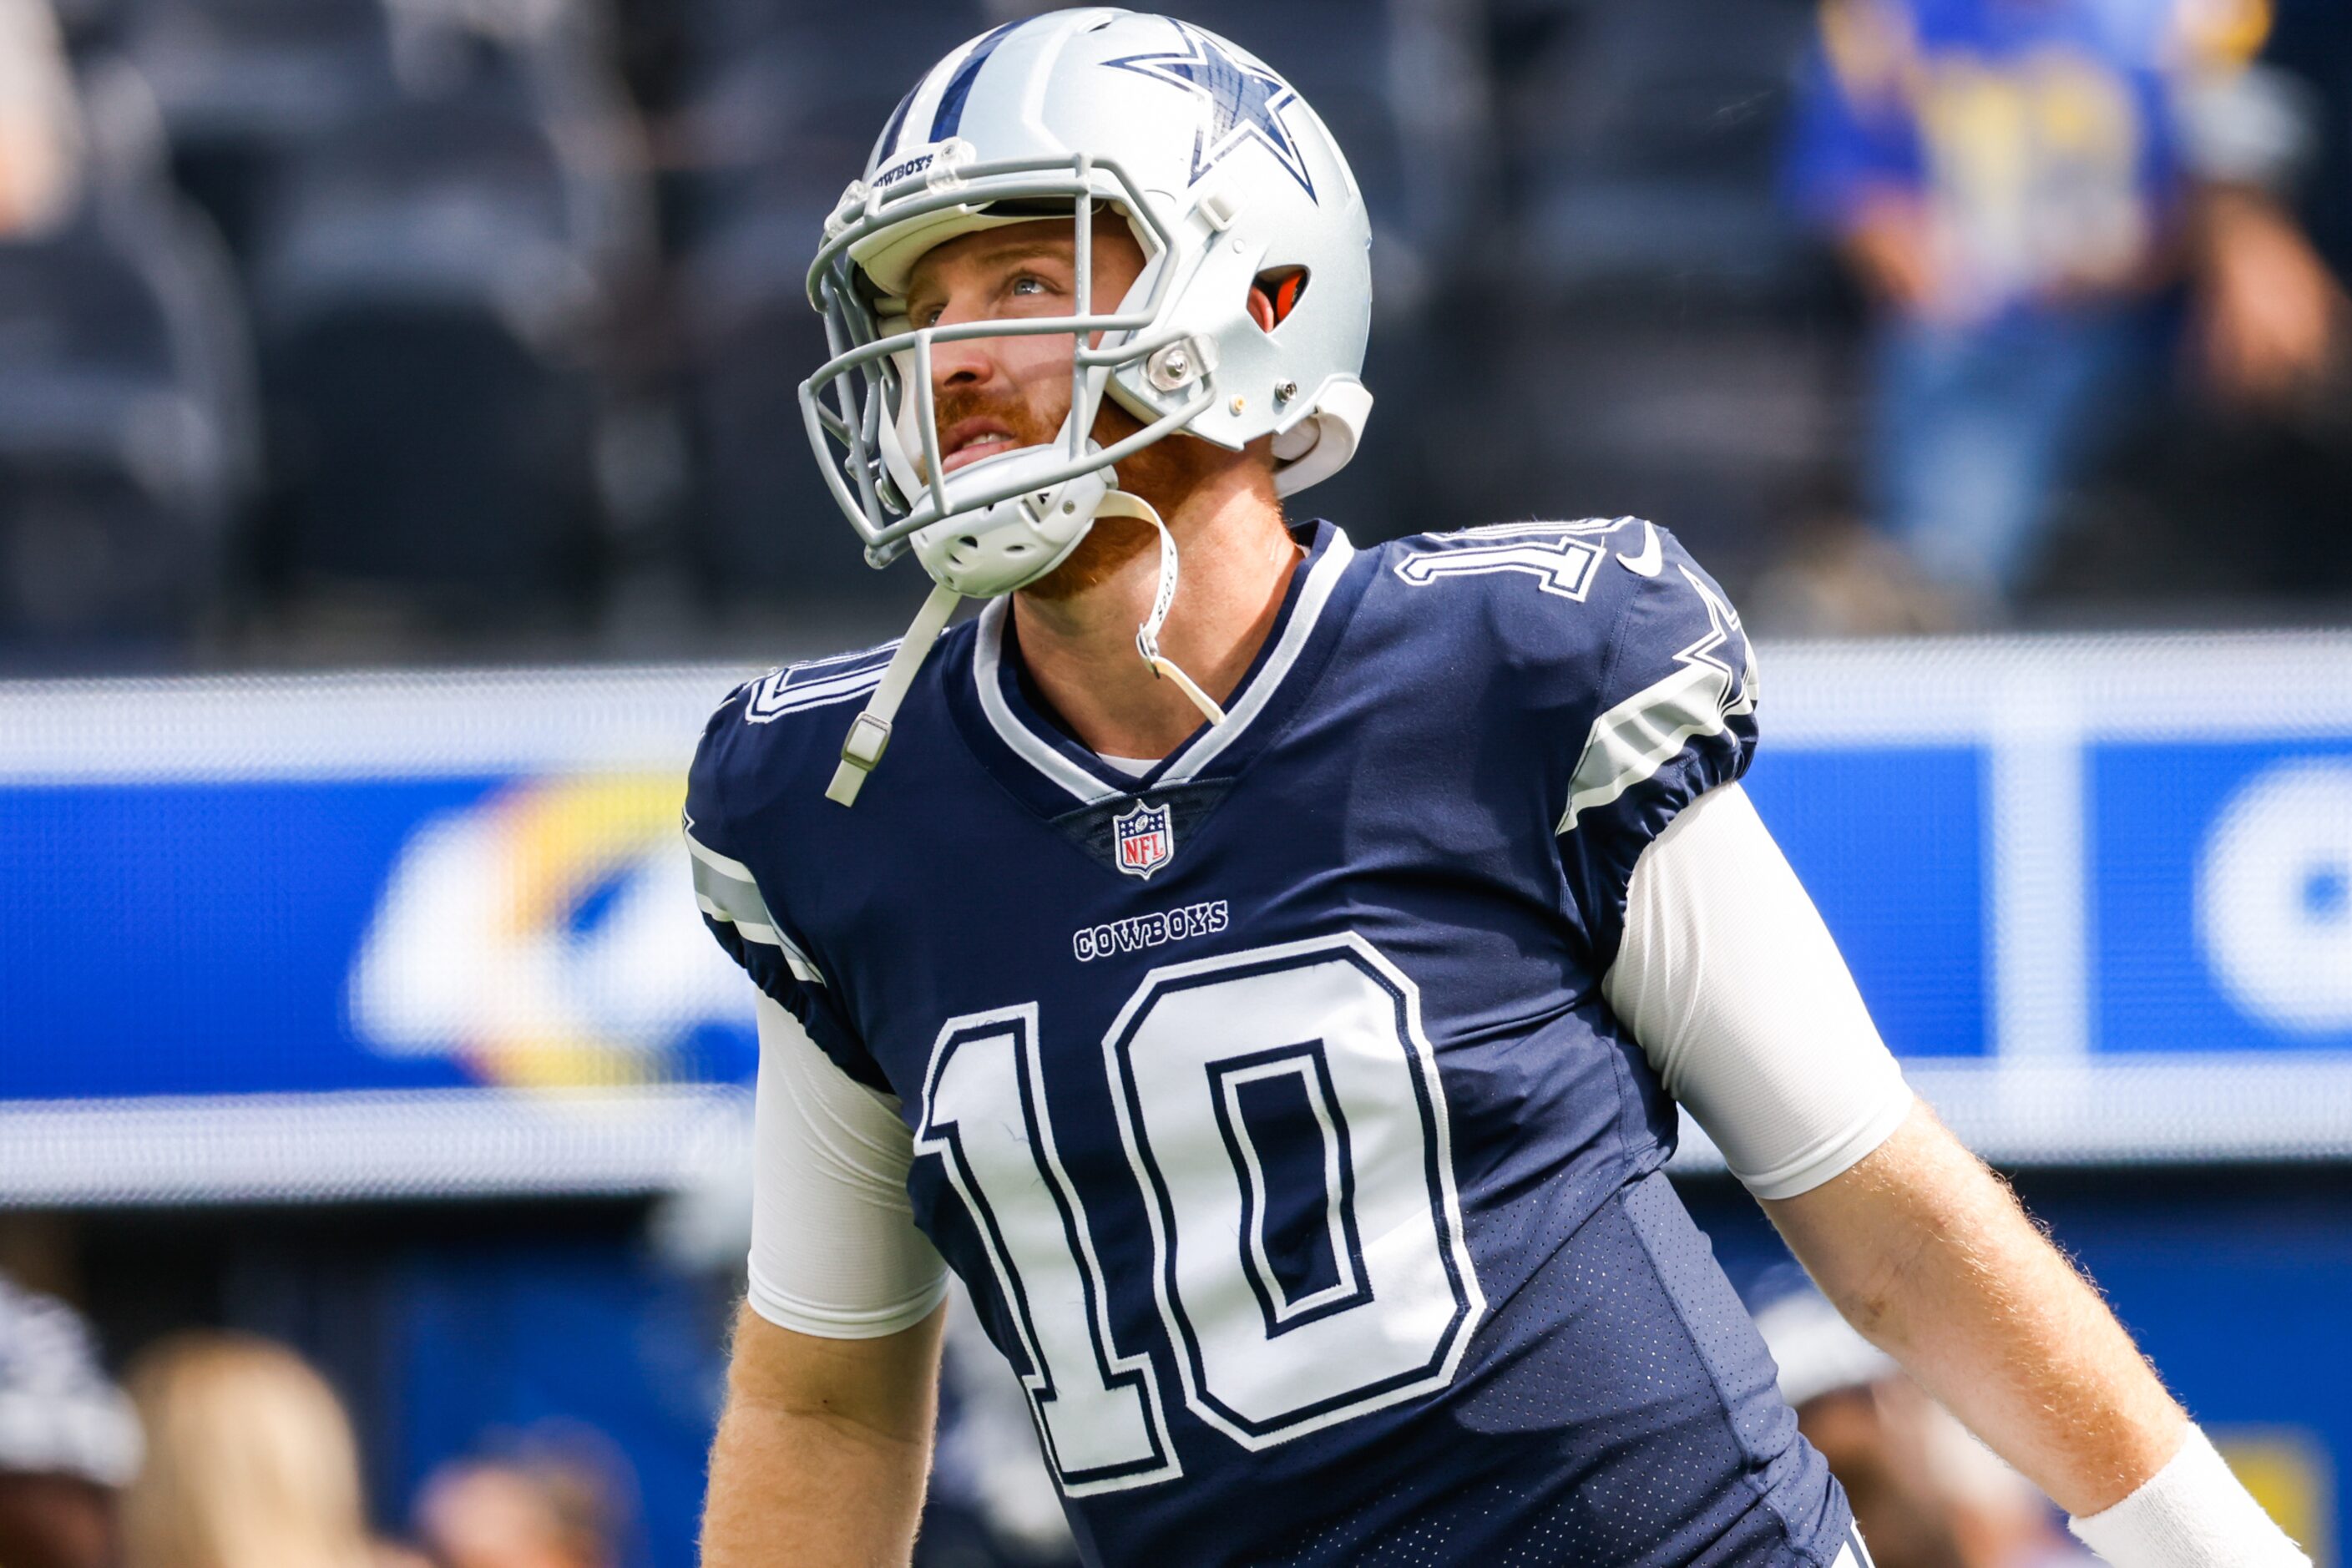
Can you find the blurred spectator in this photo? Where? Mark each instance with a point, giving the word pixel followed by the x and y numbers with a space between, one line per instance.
pixel 251 1462
pixel 2015 183
pixel 40 154
pixel 1926 1494
pixel 547 1505
pixel 68 1439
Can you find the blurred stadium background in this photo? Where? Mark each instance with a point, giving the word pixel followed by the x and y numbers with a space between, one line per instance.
pixel 398 460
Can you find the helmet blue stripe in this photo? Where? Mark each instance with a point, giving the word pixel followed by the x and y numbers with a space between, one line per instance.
pixel 888 148
pixel 950 111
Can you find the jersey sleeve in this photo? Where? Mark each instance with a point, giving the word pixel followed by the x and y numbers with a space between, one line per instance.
pixel 1673 717
pixel 1855 133
pixel 736 908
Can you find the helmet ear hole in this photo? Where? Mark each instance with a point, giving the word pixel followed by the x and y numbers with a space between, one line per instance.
pixel 1273 294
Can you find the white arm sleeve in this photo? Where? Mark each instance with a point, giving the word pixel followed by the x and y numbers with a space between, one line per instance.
pixel 835 1251
pixel 1735 992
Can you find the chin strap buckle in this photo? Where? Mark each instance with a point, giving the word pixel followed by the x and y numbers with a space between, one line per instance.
pixel 869 737
pixel 869 732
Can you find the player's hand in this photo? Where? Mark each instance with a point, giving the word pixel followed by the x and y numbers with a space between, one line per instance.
pixel 2274 319
pixel 1888 246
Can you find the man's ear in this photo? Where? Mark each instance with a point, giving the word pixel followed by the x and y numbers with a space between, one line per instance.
pixel 1261 308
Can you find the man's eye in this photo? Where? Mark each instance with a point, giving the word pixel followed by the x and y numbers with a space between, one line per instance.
pixel 1028 283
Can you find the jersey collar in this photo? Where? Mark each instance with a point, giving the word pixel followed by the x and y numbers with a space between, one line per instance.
pixel 1048 769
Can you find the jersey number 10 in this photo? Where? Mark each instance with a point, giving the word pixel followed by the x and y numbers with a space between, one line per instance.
pixel 1313 1040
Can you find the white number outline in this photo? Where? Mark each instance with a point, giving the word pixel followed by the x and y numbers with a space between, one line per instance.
pixel 942 1140
pixel 1158 1205
pixel 1563 565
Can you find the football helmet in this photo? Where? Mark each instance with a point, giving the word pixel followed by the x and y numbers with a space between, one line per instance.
pixel 1225 176
pixel 1229 183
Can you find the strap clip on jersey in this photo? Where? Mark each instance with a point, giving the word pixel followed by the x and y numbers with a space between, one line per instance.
pixel 869 732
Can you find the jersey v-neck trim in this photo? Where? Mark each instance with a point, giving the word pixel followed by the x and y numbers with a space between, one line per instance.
pixel 1077 776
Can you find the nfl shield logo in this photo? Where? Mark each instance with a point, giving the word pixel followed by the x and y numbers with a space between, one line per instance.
pixel 1145 839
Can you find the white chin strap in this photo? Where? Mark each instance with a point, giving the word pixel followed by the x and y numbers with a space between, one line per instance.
pixel 1119 503
pixel 869 734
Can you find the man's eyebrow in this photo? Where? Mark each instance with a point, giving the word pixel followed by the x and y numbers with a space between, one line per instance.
pixel 1033 245
pixel 1006 249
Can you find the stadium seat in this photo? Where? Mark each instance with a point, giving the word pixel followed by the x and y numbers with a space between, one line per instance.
pixel 1644 141
pixel 126 439
pixel 436 280
pixel 244 84
pixel 1680 351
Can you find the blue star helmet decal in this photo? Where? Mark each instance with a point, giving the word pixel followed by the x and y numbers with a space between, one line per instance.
pixel 1245 102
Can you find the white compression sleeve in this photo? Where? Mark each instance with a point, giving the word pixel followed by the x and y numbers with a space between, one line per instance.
pixel 835 1251
pixel 1737 995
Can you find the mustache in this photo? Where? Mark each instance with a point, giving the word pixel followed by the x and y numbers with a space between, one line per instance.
pixel 952 407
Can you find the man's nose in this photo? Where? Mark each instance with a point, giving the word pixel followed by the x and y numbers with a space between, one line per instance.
pixel 961 361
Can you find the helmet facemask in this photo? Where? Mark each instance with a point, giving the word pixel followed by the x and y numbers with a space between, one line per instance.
pixel 871 410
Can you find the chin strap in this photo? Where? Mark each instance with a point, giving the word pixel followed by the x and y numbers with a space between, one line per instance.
pixel 869 734
pixel 1120 503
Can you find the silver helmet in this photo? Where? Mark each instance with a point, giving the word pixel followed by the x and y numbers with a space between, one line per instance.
pixel 1227 179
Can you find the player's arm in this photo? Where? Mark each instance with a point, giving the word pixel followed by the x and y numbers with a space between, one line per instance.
pixel 1737 994
pixel 824 1446
pixel 822 1451
pixel 1928 1254
pixel 2272 319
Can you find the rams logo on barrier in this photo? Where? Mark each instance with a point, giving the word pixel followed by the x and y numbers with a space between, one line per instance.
pixel 545 935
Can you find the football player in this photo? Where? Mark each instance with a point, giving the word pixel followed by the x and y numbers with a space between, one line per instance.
pixel 1273 994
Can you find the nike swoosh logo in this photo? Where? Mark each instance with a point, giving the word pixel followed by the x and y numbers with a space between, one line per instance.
pixel 1645 563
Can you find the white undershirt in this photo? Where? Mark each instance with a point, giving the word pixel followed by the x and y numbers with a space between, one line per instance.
pixel 1726 976
pixel 835 1251
pixel 1740 1001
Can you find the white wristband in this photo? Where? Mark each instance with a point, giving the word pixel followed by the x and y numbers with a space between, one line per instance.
pixel 2193 1513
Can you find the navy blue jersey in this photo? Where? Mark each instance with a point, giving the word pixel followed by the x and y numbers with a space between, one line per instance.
pixel 1268 1102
